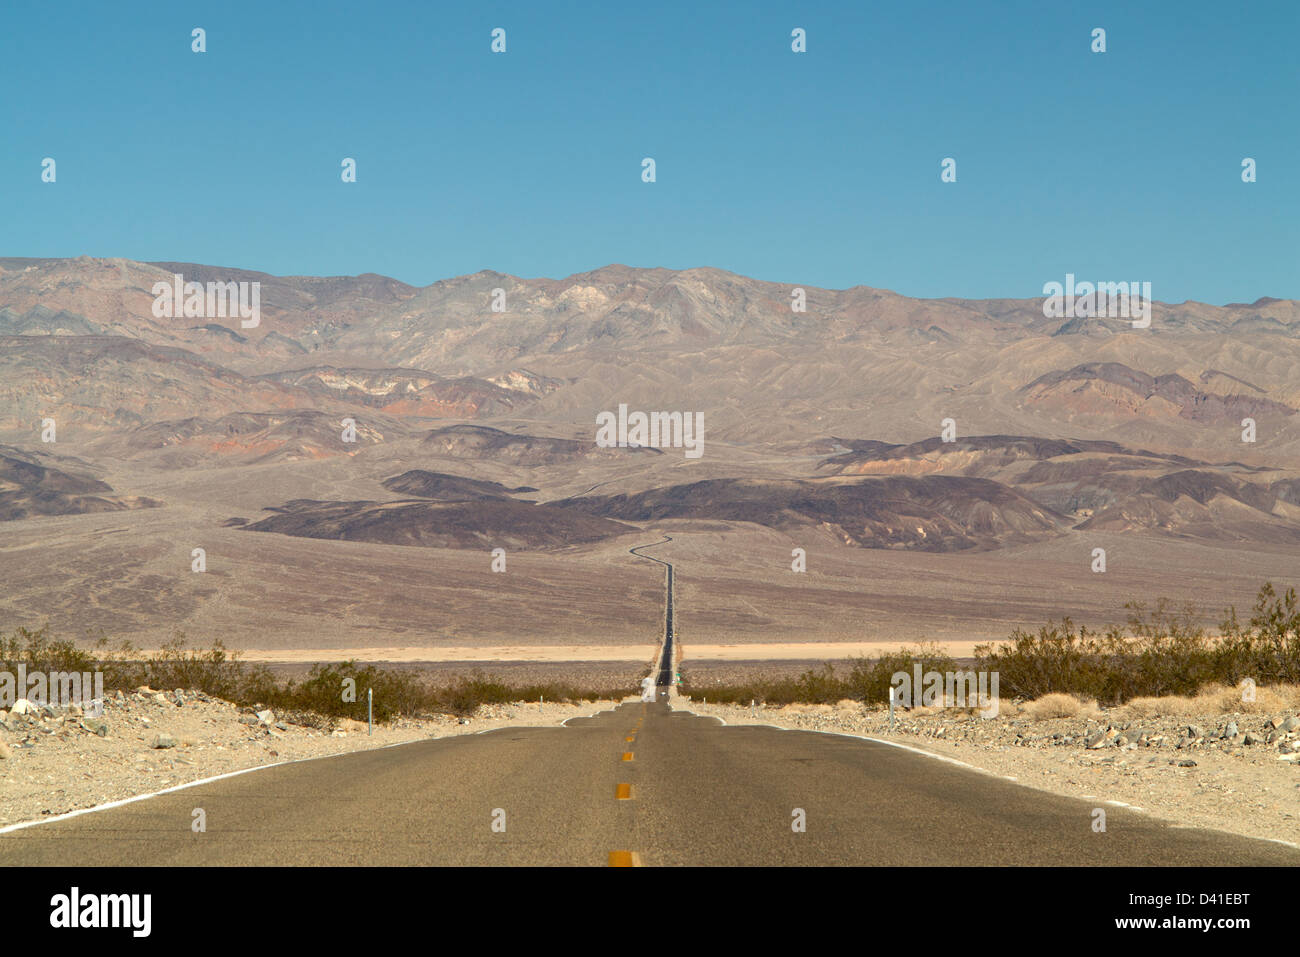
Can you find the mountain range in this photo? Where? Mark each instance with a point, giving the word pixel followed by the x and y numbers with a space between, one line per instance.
pixel 462 416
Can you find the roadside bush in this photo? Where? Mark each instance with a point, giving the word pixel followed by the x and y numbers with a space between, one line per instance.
pixel 316 701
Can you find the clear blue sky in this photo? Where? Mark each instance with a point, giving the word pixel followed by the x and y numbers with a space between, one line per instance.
pixel 819 168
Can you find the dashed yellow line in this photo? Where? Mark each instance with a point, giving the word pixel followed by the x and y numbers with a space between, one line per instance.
pixel 630 737
pixel 624 792
pixel 627 755
pixel 624 859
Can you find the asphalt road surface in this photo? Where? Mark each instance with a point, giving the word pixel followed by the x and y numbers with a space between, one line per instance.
pixel 683 790
pixel 667 653
pixel 638 785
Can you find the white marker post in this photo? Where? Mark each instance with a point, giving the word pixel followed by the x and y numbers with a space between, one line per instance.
pixel 891 709
pixel 370 710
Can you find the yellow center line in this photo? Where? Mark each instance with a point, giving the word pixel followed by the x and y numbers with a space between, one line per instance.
pixel 630 737
pixel 624 859
pixel 624 792
pixel 627 755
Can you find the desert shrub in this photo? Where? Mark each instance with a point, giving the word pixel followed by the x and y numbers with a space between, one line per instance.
pixel 869 680
pixel 1057 705
pixel 865 680
pixel 39 652
pixel 316 701
pixel 1268 648
pixel 215 671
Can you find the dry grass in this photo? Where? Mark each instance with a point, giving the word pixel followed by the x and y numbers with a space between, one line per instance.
pixel 1057 705
pixel 1215 699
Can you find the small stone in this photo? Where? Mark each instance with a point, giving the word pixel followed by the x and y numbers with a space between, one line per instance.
pixel 23 707
pixel 1231 730
pixel 162 741
pixel 266 717
pixel 1290 724
pixel 1195 731
pixel 1096 741
pixel 95 726
pixel 1187 763
pixel 1250 737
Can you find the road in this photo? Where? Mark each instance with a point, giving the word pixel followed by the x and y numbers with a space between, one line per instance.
pixel 696 792
pixel 664 674
pixel 639 784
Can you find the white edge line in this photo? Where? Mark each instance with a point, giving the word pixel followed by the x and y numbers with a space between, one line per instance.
pixel 8 828
pixel 859 737
pixel 972 767
pixel 23 825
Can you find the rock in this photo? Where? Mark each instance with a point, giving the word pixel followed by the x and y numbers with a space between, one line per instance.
pixel 282 726
pixel 1250 737
pixel 160 698
pixel 266 717
pixel 1231 730
pixel 1122 741
pixel 1187 763
pixel 1096 741
pixel 22 707
pixel 1276 722
pixel 162 741
pixel 1195 731
pixel 1291 723
pixel 95 726
pixel 249 720
pixel 178 698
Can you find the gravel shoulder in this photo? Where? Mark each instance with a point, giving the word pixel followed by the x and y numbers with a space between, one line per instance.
pixel 1209 780
pixel 56 760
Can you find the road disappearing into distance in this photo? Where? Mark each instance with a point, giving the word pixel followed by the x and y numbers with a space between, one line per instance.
pixel 644 783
